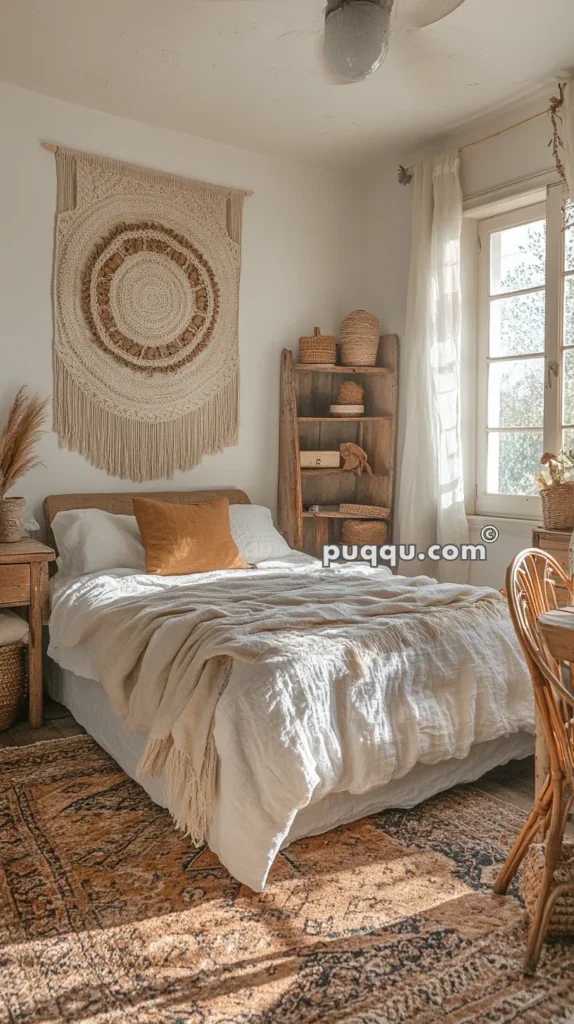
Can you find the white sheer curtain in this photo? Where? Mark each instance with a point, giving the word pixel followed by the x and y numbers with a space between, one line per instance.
pixel 431 489
pixel 568 135
pixel 568 140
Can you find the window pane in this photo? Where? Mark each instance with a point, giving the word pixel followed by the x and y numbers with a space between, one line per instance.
pixel 516 393
pixel 513 459
pixel 569 311
pixel 568 388
pixel 569 236
pixel 518 258
pixel 517 324
pixel 568 439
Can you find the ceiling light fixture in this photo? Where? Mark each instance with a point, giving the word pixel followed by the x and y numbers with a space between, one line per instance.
pixel 356 36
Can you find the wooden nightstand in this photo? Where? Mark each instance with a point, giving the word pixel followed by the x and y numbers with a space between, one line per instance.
pixel 24 584
pixel 557 544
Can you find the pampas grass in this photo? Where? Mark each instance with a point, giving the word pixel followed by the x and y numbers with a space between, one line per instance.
pixel 19 439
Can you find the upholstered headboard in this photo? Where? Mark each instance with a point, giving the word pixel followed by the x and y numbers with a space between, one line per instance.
pixel 121 504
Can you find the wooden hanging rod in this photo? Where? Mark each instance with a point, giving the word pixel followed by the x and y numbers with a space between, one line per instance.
pixel 405 174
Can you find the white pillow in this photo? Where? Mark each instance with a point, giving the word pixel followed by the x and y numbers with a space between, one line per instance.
pixel 90 540
pixel 13 628
pixel 253 532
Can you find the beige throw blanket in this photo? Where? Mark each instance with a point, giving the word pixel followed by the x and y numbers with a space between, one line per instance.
pixel 165 656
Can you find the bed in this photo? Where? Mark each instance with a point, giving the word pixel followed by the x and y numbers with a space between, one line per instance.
pixel 295 759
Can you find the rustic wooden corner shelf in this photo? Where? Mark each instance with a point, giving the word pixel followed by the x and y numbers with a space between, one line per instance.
pixel 307 393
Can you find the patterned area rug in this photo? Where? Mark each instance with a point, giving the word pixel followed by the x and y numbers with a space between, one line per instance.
pixel 107 914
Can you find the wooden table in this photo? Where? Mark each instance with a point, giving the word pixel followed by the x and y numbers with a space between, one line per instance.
pixel 557 544
pixel 24 584
pixel 557 628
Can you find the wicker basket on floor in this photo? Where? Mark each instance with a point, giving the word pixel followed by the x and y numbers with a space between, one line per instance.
pixel 13 682
pixel 319 348
pixel 363 532
pixel 562 919
pixel 558 506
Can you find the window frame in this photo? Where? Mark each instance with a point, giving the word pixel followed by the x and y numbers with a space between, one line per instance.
pixel 511 505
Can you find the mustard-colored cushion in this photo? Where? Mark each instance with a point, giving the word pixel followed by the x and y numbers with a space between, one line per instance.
pixel 181 539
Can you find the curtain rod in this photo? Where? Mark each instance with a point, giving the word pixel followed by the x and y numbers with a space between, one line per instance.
pixel 405 174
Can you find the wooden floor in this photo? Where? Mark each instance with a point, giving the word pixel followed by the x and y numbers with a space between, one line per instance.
pixel 58 723
pixel 513 782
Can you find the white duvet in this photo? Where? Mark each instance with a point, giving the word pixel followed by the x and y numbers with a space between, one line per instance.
pixel 282 747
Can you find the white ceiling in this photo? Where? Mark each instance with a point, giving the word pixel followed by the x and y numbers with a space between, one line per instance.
pixel 247 72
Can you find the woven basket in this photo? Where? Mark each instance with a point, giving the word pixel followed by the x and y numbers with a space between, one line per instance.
pixel 11 519
pixel 558 506
pixel 350 393
pixel 359 339
pixel 562 919
pixel 367 511
pixel 320 348
pixel 13 680
pixel 357 532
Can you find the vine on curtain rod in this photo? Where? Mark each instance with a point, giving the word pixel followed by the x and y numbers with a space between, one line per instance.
pixel 556 142
pixel 405 174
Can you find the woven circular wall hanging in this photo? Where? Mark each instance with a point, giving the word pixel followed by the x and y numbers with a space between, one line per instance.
pixel 149 297
pixel 146 300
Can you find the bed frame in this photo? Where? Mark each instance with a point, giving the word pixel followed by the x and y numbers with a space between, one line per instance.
pixel 121 504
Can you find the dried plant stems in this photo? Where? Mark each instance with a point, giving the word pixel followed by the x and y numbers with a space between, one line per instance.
pixel 556 142
pixel 20 438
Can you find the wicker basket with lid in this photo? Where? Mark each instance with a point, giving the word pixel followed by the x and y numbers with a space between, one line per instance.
pixel 319 348
pixel 350 400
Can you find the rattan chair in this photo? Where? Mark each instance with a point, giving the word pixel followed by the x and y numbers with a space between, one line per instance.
pixel 530 588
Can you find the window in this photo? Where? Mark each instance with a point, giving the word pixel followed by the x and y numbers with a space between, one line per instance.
pixel 526 350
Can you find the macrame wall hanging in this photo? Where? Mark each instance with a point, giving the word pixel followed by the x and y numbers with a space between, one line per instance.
pixel 146 295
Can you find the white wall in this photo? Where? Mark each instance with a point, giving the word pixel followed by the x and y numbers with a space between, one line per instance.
pixel 300 269
pixel 387 219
